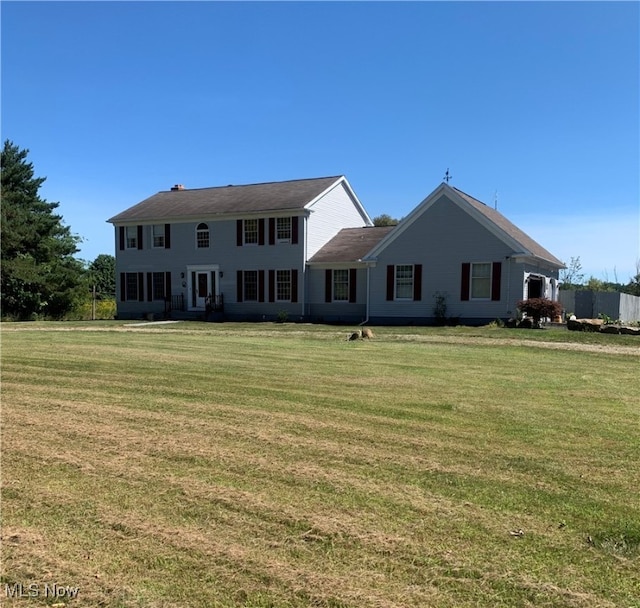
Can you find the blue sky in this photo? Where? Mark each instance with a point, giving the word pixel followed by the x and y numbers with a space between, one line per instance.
pixel 534 105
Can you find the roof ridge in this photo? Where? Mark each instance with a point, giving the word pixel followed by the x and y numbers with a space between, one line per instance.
pixel 284 181
pixel 470 196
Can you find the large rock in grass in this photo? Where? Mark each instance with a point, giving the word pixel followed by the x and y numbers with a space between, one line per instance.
pixel 584 324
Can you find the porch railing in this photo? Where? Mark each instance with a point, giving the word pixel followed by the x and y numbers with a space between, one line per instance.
pixel 174 302
pixel 177 302
pixel 214 303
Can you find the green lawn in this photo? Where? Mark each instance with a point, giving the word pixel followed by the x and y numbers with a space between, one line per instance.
pixel 276 465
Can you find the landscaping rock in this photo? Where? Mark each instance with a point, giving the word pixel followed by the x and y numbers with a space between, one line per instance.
pixel 630 331
pixel 584 324
pixel 610 329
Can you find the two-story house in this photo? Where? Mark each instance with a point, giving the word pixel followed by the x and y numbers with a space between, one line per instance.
pixel 307 250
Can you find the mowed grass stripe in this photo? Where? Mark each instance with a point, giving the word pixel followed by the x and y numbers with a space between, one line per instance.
pixel 297 469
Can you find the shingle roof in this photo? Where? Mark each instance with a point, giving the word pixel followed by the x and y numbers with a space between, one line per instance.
pixel 250 198
pixel 351 244
pixel 523 239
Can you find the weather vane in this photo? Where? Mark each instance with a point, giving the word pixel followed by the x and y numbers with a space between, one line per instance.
pixel 447 176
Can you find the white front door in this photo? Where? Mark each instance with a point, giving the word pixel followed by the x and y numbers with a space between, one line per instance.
pixel 202 285
pixel 202 288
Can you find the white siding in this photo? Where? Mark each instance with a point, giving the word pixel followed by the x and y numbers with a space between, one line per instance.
pixel 330 214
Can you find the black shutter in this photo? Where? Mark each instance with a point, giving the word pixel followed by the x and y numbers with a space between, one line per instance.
pixel 167 285
pixel 272 231
pixel 272 286
pixel 260 285
pixel 465 280
pixel 390 281
pixel 353 278
pixel 139 237
pixel 167 236
pixel 121 237
pixel 261 231
pixel 149 286
pixel 141 287
pixel 417 282
pixel 496 276
pixel 294 284
pixel 123 287
pixel 328 284
pixel 294 230
pixel 239 286
pixel 239 233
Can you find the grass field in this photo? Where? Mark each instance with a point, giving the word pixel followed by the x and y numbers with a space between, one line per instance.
pixel 205 465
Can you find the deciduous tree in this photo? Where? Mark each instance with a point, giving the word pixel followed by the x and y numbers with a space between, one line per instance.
pixel 102 274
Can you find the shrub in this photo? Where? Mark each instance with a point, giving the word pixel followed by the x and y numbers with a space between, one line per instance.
pixel 539 308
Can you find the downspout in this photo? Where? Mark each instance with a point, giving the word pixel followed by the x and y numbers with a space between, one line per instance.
pixel 304 267
pixel 366 320
pixel 509 312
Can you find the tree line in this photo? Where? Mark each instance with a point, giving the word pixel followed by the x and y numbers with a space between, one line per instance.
pixel 40 276
pixel 572 278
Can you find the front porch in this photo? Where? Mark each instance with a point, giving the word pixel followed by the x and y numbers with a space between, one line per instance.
pixel 213 310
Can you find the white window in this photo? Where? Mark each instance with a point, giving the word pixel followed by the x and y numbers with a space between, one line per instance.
pixel 131 237
pixel 404 282
pixel 251 232
pixel 159 289
pixel 131 285
pixel 158 236
pixel 283 285
pixel 202 236
pixel 341 285
pixel 283 229
pixel 480 281
pixel 250 287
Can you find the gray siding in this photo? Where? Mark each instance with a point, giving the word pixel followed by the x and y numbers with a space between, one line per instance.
pixel 335 312
pixel 442 239
pixel 223 254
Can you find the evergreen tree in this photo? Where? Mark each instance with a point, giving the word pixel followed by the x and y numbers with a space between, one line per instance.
pixel 40 276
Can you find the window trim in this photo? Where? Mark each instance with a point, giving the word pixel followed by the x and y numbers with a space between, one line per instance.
pixel 246 295
pixel 287 229
pixel 278 283
pixel 245 242
pixel 200 234
pixel 488 279
pixel 161 236
pixel 344 283
pixel 409 284
pixel 131 242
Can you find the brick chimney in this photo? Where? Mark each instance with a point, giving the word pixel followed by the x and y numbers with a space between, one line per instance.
pixel 177 187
